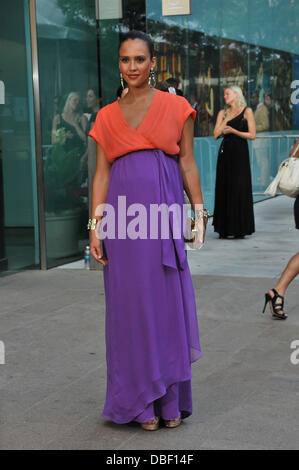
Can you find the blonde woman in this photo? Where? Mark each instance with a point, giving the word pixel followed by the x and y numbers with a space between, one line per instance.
pixel 73 122
pixel 69 138
pixel 233 211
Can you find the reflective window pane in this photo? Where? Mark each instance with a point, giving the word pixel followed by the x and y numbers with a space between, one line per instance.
pixel 68 73
pixel 18 209
pixel 234 66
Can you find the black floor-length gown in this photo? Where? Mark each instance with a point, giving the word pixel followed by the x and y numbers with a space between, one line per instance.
pixel 233 211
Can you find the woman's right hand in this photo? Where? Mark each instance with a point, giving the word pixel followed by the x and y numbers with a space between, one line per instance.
pixel 95 248
pixel 221 122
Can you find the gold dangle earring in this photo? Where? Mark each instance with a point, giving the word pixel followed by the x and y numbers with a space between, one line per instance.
pixel 152 79
pixel 122 81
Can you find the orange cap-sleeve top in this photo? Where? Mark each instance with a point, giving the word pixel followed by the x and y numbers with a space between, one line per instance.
pixel 161 128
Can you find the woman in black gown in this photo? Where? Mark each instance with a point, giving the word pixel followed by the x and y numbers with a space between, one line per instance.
pixel 66 169
pixel 233 211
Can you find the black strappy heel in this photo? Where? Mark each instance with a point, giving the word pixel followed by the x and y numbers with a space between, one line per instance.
pixel 275 307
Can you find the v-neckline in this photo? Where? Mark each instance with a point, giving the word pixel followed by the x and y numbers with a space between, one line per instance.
pixel 146 115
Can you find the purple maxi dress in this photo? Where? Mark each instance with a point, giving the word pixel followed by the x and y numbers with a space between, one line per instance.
pixel 151 319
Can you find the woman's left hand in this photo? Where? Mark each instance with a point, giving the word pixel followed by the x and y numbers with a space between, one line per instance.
pixel 200 226
pixel 228 130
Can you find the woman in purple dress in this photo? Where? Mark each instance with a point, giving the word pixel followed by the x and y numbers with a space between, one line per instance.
pixel 145 158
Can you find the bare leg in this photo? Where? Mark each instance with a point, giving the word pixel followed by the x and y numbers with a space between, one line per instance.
pixel 290 272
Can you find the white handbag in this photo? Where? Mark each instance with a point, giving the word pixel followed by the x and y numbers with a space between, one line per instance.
pixel 287 178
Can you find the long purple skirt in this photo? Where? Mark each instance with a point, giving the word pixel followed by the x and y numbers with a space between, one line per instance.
pixel 151 320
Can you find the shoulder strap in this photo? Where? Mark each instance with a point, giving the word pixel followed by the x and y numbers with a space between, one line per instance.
pixel 296 150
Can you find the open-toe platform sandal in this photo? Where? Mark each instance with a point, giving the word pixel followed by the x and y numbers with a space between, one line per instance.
pixel 173 423
pixel 275 307
pixel 151 425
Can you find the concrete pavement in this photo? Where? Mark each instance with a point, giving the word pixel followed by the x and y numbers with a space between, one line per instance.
pixel 245 388
pixel 262 254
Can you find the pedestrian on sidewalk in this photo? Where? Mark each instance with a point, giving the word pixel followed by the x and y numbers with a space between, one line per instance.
pixel 145 153
pixel 275 296
pixel 233 210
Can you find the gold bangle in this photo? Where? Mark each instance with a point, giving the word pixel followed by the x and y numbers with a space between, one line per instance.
pixel 202 214
pixel 92 224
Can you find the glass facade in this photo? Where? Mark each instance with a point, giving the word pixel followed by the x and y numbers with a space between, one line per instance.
pixel 47 160
pixel 69 97
pixel 229 42
pixel 19 241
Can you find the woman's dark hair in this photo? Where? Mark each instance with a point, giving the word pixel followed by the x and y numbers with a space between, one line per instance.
pixel 172 81
pixel 138 35
pixel 162 86
pixel 94 89
pixel 120 90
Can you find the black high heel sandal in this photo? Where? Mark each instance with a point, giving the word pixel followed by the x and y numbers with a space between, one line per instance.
pixel 275 307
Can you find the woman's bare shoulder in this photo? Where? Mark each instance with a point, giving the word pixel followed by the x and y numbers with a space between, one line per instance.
pixel 220 114
pixel 248 111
